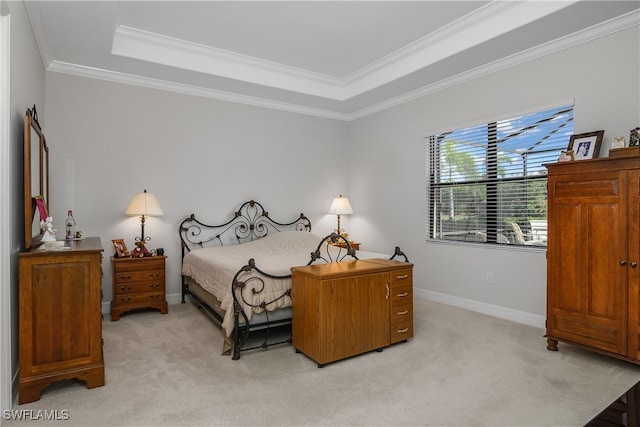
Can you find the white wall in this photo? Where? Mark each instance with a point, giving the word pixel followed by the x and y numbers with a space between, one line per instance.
pixel 108 141
pixel 388 167
pixel 26 89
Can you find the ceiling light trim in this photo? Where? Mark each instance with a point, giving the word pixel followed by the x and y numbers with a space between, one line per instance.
pixel 152 47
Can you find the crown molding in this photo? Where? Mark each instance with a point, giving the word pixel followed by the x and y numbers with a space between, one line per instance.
pixel 614 25
pixel 606 28
pixel 490 21
pixel 485 23
pixel 130 79
pixel 157 48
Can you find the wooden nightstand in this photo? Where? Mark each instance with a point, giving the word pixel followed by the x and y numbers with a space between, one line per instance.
pixel 138 283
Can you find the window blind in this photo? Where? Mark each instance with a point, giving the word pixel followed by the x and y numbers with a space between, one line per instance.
pixel 487 183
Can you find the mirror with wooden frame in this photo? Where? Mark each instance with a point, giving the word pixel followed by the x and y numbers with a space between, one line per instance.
pixel 36 179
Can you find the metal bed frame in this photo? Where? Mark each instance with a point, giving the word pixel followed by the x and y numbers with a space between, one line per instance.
pixel 251 222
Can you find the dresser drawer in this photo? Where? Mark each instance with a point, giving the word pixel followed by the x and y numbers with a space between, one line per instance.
pixel 401 276
pixel 402 311
pixel 401 331
pixel 401 294
pixel 401 305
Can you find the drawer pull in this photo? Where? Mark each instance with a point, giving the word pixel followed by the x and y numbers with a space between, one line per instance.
pixel 404 276
pixel 154 285
pixel 403 331
pixel 123 288
pixel 404 294
pixel 402 313
pixel 388 291
pixel 125 299
pixel 123 277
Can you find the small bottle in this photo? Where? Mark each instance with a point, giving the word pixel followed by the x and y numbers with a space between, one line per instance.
pixel 70 226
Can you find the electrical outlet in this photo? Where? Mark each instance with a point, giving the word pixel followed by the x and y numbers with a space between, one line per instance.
pixel 489 278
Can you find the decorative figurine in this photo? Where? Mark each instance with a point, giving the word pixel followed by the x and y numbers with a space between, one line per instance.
pixel 565 157
pixel 49 231
pixel 634 137
pixel 618 142
pixel 140 250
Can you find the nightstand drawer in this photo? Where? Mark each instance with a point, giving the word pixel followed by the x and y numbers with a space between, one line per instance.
pixel 137 264
pixel 145 299
pixel 135 288
pixel 138 276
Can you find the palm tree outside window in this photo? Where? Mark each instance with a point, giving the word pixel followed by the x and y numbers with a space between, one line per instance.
pixel 487 183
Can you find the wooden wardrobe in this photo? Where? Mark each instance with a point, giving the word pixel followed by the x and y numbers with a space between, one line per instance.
pixel 593 291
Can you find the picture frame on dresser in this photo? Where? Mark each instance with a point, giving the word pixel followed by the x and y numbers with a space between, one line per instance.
pixel 586 145
pixel 121 248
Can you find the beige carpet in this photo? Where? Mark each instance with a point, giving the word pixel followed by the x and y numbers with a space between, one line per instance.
pixel 461 369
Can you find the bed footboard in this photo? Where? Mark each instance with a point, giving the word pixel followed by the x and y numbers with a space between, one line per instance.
pixel 247 283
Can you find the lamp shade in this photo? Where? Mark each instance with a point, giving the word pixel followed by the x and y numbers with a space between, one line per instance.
pixel 341 206
pixel 144 204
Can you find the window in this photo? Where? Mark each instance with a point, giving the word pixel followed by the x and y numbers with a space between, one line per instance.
pixel 487 183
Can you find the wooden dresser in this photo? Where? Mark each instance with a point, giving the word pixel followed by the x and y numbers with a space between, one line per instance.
pixel 60 318
pixel 593 277
pixel 138 283
pixel 348 308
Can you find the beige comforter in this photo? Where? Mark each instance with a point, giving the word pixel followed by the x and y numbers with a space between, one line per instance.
pixel 214 268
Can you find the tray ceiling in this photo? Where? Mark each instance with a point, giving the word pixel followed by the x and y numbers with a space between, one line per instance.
pixel 335 59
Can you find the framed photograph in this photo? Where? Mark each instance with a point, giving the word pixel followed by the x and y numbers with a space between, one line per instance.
pixel 121 248
pixel 586 145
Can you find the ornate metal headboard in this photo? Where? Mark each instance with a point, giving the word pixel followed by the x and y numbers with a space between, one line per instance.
pixel 250 222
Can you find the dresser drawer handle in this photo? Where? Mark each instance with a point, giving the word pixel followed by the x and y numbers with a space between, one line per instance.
pixel 125 299
pixel 123 277
pixel 403 331
pixel 402 313
pixel 404 294
pixel 125 288
pixel 404 276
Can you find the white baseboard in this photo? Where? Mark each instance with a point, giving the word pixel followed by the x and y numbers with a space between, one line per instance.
pixel 517 316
